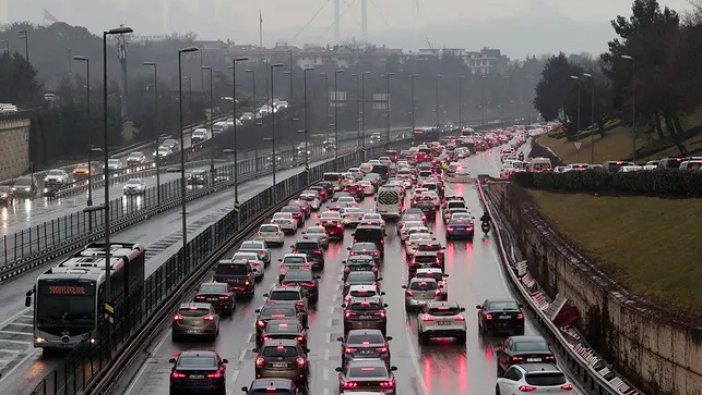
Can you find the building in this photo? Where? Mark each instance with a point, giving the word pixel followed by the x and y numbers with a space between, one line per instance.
pixel 485 61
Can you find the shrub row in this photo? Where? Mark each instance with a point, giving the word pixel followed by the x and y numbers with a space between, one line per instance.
pixel 658 183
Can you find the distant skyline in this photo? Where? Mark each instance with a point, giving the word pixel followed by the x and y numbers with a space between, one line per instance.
pixel 518 27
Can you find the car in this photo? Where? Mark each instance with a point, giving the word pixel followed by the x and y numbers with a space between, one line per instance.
pixel 163 152
pixel 364 343
pixel 271 235
pixel 218 295
pixel 420 291
pixel 312 199
pixel 433 246
pixel 361 291
pixel 247 116
pixel 297 213
pixel 238 275
pixel 365 313
pixel 259 247
pixel 370 233
pixel 356 190
pixel 407 225
pixel 25 187
pixel 272 386
pixel 522 349
pixel 413 240
pixel 500 316
pixel 198 371
pixel 306 280
pixel 438 275
pixel 359 263
pixel 448 212
pixel 115 164
pixel 194 320
pixel 534 378
pixel 351 216
pixel 360 278
pixel 282 358
pixel 366 249
pixel 136 158
pixel 293 262
pixel 198 178
pixel 426 204
pixel 316 233
pixel 373 219
pixel 332 223
pixel 7 197
pixel 55 179
pixel 289 294
pixel 460 225
pixel 313 250
pixel 303 205
pixel 323 194
pixel 367 375
pixel 288 224
pixel 461 175
pixel 257 265
pixel 134 186
pixel 368 188
pixel 198 136
pixel 283 329
pixel 424 259
pixel 441 319
pixel 269 312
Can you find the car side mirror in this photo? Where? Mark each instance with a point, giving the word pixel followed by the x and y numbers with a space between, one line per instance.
pixel 388 338
pixel 257 311
pixel 463 309
pixel 478 307
pixel 348 248
pixel 266 295
pixel 255 350
pixel 292 246
pixel 393 368
pixel 404 287
pixel 380 279
pixel 385 305
pixel 225 360
pixel 382 293
pixel 245 389
pixel 338 369
pixel 343 305
pixel 520 305
pixel 353 234
pixel 340 339
pixel 280 260
pixel 172 360
pixel 317 276
pixel 344 261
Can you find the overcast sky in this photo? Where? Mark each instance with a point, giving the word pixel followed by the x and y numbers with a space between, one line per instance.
pixel 519 27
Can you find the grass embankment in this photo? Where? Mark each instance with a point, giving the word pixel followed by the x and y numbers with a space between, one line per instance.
pixel 651 245
pixel 616 143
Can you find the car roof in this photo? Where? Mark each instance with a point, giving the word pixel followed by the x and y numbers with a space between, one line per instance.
pixel 277 383
pixel 539 367
pixel 371 299
pixel 497 300
pixel 360 258
pixel 278 287
pixel 422 280
pixel 364 286
pixel 429 270
pixel 365 332
pixel 295 256
pixel 527 338
pixel 194 305
pixel 439 304
pixel 197 353
pixel 366 362
pixel 280 342
pixel 367 226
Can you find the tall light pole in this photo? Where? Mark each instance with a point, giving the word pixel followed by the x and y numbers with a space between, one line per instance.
pixel 273 67
pixel 212 166
pixel 412 77
pixel 633 105
pixel 183 205
pixel 236 140
pixel 156 132
pixel 592 117
pixel 327 99
pixel 24 35
pixel 577 81
pixel 307 140
pixel 387 97
pixel 436 98
pixel 363 108
pixel 90 131
pixel 253 91
pixel 336 116
pixel 106 171
pixel 358 110
pixel 482 98
pixel 460 78
pixel 291 76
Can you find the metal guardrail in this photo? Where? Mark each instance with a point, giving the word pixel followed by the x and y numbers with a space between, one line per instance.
pixel 93 369
pixel 595 384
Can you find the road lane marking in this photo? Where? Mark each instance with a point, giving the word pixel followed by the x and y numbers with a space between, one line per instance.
pixel 235 375
pixel 415 359
pixel 242 355
pixel 14 317
pixel 326 354
pixel 325 374
pixel 20 363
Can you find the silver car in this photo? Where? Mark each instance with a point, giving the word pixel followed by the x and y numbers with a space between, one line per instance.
pixel 195 320
pixel 134 186
pixel 420 291
pixel 257 265
pixel 258 247
pixel 316 233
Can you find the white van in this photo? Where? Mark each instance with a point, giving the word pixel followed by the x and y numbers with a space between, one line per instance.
pixel 539 165
pixel 389 202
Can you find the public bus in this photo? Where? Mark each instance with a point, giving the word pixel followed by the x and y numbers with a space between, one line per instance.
pixel 69 297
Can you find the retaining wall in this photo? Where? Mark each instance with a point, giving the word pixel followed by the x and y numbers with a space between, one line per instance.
pixel 658 350
pixel 14 146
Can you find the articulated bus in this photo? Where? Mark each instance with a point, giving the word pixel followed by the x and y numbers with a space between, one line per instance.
pixel 69 297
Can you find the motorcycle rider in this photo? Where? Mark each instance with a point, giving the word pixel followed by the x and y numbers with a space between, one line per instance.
pixel 485 219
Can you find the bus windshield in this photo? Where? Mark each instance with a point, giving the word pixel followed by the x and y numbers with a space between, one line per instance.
pixel 62 306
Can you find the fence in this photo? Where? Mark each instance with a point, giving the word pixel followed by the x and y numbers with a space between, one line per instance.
pixel 79 370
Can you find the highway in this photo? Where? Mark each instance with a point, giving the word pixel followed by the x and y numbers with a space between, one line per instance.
pixel 444 368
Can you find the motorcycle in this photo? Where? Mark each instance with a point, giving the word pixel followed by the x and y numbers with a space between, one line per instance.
pixel 521 156
pixel 485 227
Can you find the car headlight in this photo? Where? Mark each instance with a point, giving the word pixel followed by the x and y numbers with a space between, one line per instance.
pixel 27 189
pixel 4 195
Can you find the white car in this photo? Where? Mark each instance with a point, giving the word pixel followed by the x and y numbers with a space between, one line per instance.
pixel 360 291
pixel 413 242
pixel 534 378
pixel 346 200
pixel 406 226
pixel 368 188
pixel 385 160
pixel 271 235
pixel 441 319
pixel 630 168
pixel 373 219
pixel 134 186
pixel 330 217
pixel 357 173
pixel 136 158
pixel 420 291
pixel 115 164
pixel 460 176
pixel 258 247
pixel 351 216
pixel 293 262
pixel 256 263
pixel 312 199
pixel 286 221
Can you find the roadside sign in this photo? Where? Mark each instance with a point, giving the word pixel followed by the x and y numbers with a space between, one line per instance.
pixel 109 313
pixel 237 207
pixel 577 145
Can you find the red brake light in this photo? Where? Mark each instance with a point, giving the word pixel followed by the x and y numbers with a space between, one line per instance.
pixel 300 362
pixel 382 349
pixel 199 297
pixel 349 314
pixel 567 387
pixel 517 359
pixel 527 388
pixel 387 384
pixel 380 314
pixel 409 293
pixel 260 362
pixel 488 316
pixel 208 317
pixel 177 375
pixel 350 350
pixel 520 316
pixel 216 375
pixel 350 384
pixel 224 298
pixel 178 317
pixel 261 323
pixel 300 338
pixel 550 358
pixel 428 318
pixel 459 318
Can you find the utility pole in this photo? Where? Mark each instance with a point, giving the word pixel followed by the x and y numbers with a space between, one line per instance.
pixel 122 56
pixel 436 98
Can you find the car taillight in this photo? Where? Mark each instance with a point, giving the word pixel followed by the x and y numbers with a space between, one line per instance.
pixel 350 350
pixel 349 384
pixel 459 318
pixel 550 358
pixel 409 293
pixel 517 359
pixel 265 338
pixel 216 375
pixel 437 292
pixel 567 387
pixel 300 338
pixel 178 317
pixel 349 314
pixel 380 314
pixel 520 316
pixel 317 251
pixel 488 317
pixel 300 362
pixel 260 362
pixel 376 253
pixel 208 317
pixel 300 303
pixel 261 324
pixel 308 266
pixel 282 266
pixel 428 318
pixel 307 284
pixel 381 349
pixel 177 375
pixel 199 297
pixel 387 384
pixel 261 252
pixel 527 388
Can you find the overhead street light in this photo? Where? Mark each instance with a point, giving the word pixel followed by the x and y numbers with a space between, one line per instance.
pixel 273 67
pixel 156 132
pixel 306 130
pixel 336 119
pixel 236 141
pixel 90 133
pixel 182 147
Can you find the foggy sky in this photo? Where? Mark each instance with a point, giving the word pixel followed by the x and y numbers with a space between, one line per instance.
pixel 519 27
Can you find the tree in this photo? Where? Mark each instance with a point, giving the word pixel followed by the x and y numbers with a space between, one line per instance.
pixel 555 91
pixel 18 83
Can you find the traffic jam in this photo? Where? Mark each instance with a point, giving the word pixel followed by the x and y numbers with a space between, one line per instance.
pixel 336 236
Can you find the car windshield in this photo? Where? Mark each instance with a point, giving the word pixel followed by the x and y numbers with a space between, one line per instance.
pixel 367 371
pixel 545 379
pixel 282 327
pixel 193 312
pixel 535 345
pixel 56 173
pixel 365 338
pixel 285 295
pixel 269 229
pixel 362 293
pixel 366 306
pixel 214 288
pixel 294 259
pixel 503 305
pixel 251 256
pixel 298 275
pixel 315 230
pixel 423 286
pixel 444 311
pixel 419 237
pixel 277 312
pixel 300 245
pixel 195 362
pixel 279 352
pixel 251 245
pixel 361 278
pixel 364 247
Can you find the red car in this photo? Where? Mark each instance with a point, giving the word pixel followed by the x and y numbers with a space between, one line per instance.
pixel 323 196
pixel 394 156
pixel 356 191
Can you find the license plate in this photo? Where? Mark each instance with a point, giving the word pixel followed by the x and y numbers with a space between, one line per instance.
pixel 197 376
pixel 212 299
pixel 533 359
pixel 280 365
pixel 444 322
pixel 366 352
pixel 505 317
pixel 193 331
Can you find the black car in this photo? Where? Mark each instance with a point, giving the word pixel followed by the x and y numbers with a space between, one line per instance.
pixel 372 234
pixel 365 313
pixel 25 187
pixel 218 295
pixel 7 197
pixel 283 358
pixel 283 329
pixel 522 349
pixel 359 263
pixel 306 280
pixel 198 371
pixel 272 386
pixel 424 259
pixel 328 186
pixel 427 206
pixel 365 249
pixel 273 312
pixel 198 178
pixel 313 250
pixel 365 343
pixel 371 375
pixel 500 316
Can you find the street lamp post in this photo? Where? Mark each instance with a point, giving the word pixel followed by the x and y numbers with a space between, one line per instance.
pixel 106 171
pixel 482 98
pixel 577 79
pixel 291 76
pixel 212 166
pixel 156 132
pixel 358 110
pixel 633 105
pixel 592 118
pixel 307 141
pixel 236 141
pixel 327 99
pixel 436 97
pixel 253 91
pixel 90 133
pixel 273 67
pixel 336 117
pixel 387 97
pixel 24 35
pixel 183 205
pixel 460 78
pixel 412 77
pixel 363 109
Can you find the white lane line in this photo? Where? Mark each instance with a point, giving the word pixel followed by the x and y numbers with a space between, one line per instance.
pixel 145 365
pixel 326 354
pixel 331 309
pixel 415 360
pixel 325 374
pixel 18 333
pixel 20 363
pixel 14 317
pixel 21 324
pixel 330 322
pixel 235 375
pixel 242 355
pixel 326 391
pixel 251 338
